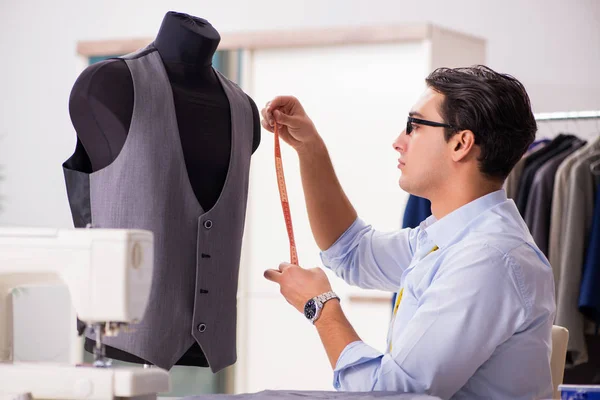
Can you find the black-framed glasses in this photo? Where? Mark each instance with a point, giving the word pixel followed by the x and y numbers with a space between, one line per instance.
pixel 412 120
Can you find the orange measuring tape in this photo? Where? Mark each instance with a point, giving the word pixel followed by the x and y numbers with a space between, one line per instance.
pixel 285 205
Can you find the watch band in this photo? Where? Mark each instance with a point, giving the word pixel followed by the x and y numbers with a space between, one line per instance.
pixel 320 301
pixel 322 298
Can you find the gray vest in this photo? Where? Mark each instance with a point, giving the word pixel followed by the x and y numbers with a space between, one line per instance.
pixel 196 251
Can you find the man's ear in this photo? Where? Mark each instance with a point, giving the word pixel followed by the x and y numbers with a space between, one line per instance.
pixel 462 144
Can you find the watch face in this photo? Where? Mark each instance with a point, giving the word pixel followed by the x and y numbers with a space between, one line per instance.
pixel 310 309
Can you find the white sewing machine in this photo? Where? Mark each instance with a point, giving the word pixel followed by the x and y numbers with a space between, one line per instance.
pixel 109 274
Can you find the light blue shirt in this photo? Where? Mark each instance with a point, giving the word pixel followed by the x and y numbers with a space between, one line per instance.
pixel 475 319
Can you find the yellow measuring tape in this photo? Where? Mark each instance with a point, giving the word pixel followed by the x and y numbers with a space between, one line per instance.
pixel 399 299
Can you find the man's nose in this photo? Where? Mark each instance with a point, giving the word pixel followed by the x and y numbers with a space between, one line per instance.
pixel 400 143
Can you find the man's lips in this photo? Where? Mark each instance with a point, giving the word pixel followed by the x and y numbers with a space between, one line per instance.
pixel 401 163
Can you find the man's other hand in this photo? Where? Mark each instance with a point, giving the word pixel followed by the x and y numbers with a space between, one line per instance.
pixel 295 127
pixel 298 285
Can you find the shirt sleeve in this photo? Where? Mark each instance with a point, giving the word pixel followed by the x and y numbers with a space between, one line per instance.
pixel 471 308
pixel 370 259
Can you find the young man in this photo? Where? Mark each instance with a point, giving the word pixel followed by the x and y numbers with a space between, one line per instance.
pixel 476 301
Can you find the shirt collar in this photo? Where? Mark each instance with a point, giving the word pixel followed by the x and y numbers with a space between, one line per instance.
pixel 442 231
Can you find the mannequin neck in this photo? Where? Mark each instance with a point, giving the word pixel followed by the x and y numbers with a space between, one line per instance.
pixel 186 45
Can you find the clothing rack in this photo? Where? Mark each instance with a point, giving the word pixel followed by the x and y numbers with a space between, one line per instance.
pixel 567 115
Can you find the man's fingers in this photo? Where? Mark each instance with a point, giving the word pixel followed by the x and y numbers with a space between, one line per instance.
pixel 263 113
pixel 284 266
pixel 266 125
pixel 273 275
pixel 282 118
pixel 281 102
pixel 267 117
pixel 283 110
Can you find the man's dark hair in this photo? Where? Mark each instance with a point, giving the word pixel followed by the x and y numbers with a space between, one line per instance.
pixel 494 106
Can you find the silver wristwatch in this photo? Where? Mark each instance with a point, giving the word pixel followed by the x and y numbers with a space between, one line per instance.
pixel 313 307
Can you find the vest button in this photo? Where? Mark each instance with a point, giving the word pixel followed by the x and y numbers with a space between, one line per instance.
pixel 208 224
pixel 202 327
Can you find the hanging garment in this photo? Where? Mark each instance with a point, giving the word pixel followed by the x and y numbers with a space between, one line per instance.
pixel 196 251
pixel 511 184
pixel 539 204
pixel 589 291
pixel 417 210
pixel 534 162
pixel 579 210
pixel 559 200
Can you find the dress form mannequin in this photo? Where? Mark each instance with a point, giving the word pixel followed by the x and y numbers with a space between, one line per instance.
pixel 101 107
